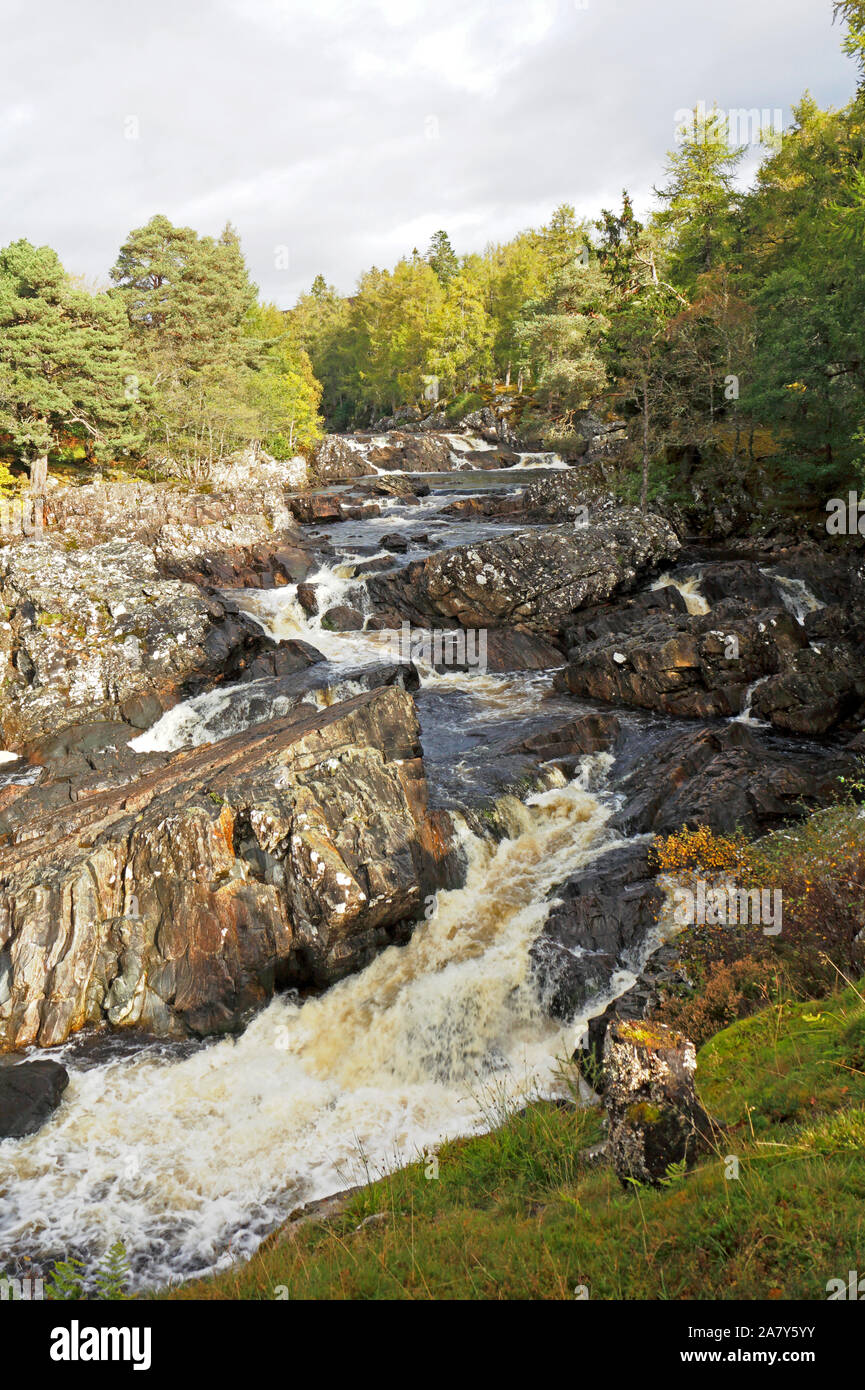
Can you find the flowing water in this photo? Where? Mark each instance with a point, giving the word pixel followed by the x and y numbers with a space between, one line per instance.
pixel 688 587
pixel 190 1153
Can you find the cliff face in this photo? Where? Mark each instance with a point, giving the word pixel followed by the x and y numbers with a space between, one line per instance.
pixel 285 856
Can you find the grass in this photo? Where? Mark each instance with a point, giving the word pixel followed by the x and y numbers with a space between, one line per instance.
pixel 525 1213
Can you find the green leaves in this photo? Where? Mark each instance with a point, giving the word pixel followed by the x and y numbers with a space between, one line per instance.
pixel 65 361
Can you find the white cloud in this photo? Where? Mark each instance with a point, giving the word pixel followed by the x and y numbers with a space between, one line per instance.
pixel 349 130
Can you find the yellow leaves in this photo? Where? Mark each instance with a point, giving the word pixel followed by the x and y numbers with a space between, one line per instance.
pixel 698 849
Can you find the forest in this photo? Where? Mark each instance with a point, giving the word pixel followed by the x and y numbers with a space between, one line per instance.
pixel 726 330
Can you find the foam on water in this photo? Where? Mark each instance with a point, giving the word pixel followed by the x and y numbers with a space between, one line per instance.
pixel 190 1162
pixel 689 588
pixel 796 596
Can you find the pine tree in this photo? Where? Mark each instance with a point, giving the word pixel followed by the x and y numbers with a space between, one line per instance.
pixel 700 200
pixel 66 370
pixel 442 257
pixel 187 299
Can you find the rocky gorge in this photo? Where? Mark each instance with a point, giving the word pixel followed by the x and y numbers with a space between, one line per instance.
pixel 260 860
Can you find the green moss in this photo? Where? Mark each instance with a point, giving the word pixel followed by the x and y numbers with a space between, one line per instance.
pixel 644 1113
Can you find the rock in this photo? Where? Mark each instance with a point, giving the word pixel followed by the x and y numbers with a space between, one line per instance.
pixel 86 632
pixel 29 1093
pixel 740 579
pixel 287 659
pixel 398 486
pixel 723 776
pixel 307 597
pixel 598 925
pixel 690 666
pixel 253 469
pixel 342 618
pixel 660 973
pixel 589 733
pixel 339 458
pixel 509 649
pixel 395 542
pixel 316 508
pixel 490 458
pixel 405 415
pixel 285 855
pixel 655 1117
pixel 647 651
pixel 532 579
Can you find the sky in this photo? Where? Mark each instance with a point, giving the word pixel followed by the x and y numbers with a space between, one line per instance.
pixel 338 134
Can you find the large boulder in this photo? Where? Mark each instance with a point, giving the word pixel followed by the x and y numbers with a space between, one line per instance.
pixel 340 457
pixel 88 635
pixel 531 579
pixel 29 1093
pixel 724 776
pixel 692 666
pixel 286 855
pixel 655 1117
pixel 598 924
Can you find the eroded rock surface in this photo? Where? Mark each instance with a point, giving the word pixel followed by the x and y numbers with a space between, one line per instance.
pixel 286 855
pixel 531 579
pixel 91 634
pixel 654 1114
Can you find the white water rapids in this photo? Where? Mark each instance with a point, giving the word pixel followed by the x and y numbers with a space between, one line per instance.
pixel 190 1162
pixel 191 1153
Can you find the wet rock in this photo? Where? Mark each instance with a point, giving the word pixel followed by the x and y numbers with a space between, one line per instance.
pixel 286 659
pixel 589 733
pixel 655 1117
pixel 490 458
pixel 598 925
pixel 691 666
pixel 316 507
pixel 342 618
pixel 400 486
pixel 307 597
pixel 29 1093
pixel 509 649
pixel 532 579
pixel 740 579
pixel 285 855
pixel 805 678
pixel 395 542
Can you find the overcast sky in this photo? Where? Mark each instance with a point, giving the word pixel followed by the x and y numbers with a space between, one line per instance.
pixel 340 133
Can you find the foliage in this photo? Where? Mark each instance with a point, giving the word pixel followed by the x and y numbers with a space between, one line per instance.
pixel 818 867
pixel 109 1281
pixel 65 361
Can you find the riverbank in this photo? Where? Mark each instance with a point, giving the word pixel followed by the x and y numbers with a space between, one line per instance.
pixel 529 1211
pixel 284 895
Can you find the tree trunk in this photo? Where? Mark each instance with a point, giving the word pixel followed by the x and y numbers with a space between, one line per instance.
pixel 38 476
